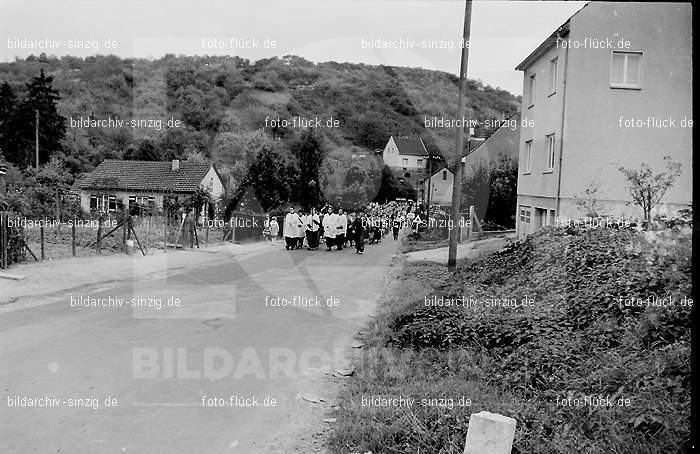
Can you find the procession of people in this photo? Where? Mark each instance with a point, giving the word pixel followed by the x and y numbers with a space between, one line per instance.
pixel 338 229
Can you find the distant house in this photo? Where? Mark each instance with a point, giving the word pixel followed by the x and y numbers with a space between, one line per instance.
pixel 408 158
pixel 591 109
pixel 488 146
pixel 144 184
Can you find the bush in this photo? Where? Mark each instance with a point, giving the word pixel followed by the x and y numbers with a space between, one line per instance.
pixel 578 340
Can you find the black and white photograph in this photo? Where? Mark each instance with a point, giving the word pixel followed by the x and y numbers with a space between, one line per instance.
pixel 346 227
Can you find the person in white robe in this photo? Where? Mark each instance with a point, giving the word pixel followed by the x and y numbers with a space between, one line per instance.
pixel 292 225
pixel 330 227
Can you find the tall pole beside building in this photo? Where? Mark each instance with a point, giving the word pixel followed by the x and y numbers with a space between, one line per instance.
pixel 36 136
pixel 430 177
pixel 459 142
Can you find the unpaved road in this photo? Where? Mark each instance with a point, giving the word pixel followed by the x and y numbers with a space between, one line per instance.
pixel 197 378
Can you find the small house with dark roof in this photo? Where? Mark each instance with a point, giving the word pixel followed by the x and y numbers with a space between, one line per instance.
pixel 407 157
pixel 496 140
pixel 144 184
pixel 405 152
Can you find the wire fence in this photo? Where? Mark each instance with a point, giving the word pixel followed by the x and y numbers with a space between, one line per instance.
pixel 22 239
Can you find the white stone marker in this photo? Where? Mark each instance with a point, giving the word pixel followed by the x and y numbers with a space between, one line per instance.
pixel 489 433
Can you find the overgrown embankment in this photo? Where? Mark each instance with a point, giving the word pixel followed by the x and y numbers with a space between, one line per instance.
pixel 596 361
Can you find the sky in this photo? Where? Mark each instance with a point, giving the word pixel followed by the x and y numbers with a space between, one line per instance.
pixel 412 33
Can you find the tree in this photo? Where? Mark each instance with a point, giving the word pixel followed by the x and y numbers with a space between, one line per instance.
pixel 143 150
pixel 41 97
pixel 45 190
pixel 198 200
pixel 390 188
pixel 588 201
pixel 476 190
pixel 309 155
pixel 8 127
pixel 269 177
pixel 372 131
pixel 492 188
pixel 648 188
pixel 503 193
pixel 349 179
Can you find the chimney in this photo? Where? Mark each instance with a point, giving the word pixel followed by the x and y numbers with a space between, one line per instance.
pixel 176 164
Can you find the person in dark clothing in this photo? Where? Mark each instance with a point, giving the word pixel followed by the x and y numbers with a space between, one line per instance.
pixel 350 237
pixel 396 226
pixel 358 230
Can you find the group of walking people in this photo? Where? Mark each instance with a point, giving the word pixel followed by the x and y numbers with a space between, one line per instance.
pixel 338 229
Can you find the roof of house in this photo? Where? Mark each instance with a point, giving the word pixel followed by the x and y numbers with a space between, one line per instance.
pixel 486 134
pixel 151 176
pixel 75 187
pixel 550 41
pixel 410 146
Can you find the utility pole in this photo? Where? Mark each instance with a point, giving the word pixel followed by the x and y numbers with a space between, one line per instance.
pixel 430 177
pixel 459 142
pixel 36 136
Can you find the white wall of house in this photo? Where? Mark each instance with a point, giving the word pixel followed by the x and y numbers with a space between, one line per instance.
pixel 393 158
pixel 122 196
pixel 440 188
pixel 212 182
pixel 594 143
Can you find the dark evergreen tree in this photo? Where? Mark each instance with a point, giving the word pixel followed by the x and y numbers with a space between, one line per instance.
pixel 8 124
pixel 269 177
pixel 41 97
pixel 143 150
pixel 308 152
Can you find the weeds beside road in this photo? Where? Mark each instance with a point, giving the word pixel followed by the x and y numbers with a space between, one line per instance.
pixel 597 360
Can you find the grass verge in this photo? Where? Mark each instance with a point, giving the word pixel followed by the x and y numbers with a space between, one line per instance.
pixel 585 338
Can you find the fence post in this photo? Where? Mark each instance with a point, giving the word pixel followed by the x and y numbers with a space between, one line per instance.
pixel 98 243
pixel 124 229
pixel 3 240
pixel 193 230
pixel 489 433
pixel 206 231
pixel 72 242
pixel 148 232
pixel 165 232
pixel 41 233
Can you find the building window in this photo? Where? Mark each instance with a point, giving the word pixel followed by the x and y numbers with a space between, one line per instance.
pixel 540 217
pixel 550 153
pixel 525 214
pixel 528 157
pixel 419 161
pixel 626 70
pixel 141 205
pixel 444 175
pixel 531 92
pixel 103 203
pixel 553 76
pixel 404 161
